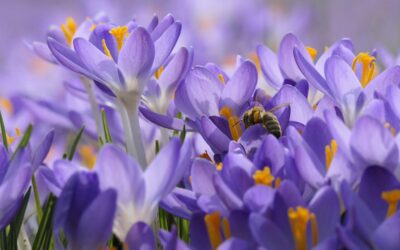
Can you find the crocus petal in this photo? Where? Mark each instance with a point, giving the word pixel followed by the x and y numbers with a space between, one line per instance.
pixel 341 79
pixel 202 172
pixel 136 57
pixel 235 244
pixel 287 63
pixel 325 206
pixel 271 154
pixel 269 66
pixel 140 236
pixel 308 168
pixel 161 171
pixel 267 234
pixel 227 196
pixel 387 234
pixel 42 150
pixel 162 120
pixel 175 70
pixel 240 87
pixel 259 198
pixel 389 77
pixel 199 93
pixel 372 144
pixel 95 224
pixel 374 181
pixel 97 62
pixel 118 170
pixel 44 52
pixel 165 44
pixel 300 109
pixel 217 140
pixel 163 25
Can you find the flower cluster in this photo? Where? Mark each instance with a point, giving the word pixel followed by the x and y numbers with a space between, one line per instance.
pixel 183 156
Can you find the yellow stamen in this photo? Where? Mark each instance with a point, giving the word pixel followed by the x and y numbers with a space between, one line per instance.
pixel 88 156
pixel 212 223
pixel 254 57
pixel 69 29
pixel 119 34
pixel 234 123
pixel 205 155
pixel 219 166
pixel 313 52
pixel 221 78
pixel 18 132
pixel 277 182
pixel 105 48
pixel 10 139
pixel 226 228
pixel 299 219
pixel 330 151
pixel 368 67
pixel 93 27
pixel 264 177
pixel 392 198
pixel 391 129
pixel 158 72
pixel 6 105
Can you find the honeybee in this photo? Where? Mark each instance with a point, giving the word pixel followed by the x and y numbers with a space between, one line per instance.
pixel 258 115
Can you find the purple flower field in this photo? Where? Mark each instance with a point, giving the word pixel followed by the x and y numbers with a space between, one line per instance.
pixel 178 124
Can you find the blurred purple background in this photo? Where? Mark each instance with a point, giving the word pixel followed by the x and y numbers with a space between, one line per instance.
pixel 218 29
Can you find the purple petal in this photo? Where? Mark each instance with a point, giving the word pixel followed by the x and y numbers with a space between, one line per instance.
pixel 287 63
pixel 217 140
pixel 165 44
pixel 140 236
pixel 387 234
pixel 240 87
pixel 201 173
pixel 269 66
pixel 96 222
pixel 162 120
pixel 43 51
pixel 42 150
pixel 199 93
pixel 136 56
pixel 166 22
pixel 259 198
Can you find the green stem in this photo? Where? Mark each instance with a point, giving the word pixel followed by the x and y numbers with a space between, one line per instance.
pixel 37 199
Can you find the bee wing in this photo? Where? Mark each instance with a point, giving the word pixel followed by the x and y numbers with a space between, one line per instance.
pixel 282 105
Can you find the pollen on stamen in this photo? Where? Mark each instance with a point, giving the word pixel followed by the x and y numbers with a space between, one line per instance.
pixel 119 34
pixel 69 29
pixel 368 67
pixel 312 52
pixel 158 72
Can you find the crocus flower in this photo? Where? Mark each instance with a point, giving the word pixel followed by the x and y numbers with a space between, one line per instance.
pixel 15 178
pixel 129 55
pixel 85 213
pixel 140 192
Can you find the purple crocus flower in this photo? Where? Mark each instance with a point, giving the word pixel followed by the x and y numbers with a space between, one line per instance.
pixel 121 60
pixel 15 178
pixel 140 192
pixel 372 216
pixel 84 213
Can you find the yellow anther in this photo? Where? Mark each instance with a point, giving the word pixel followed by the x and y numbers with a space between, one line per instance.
pixel 93 27
pixel 254 57
pixel 299 219
pixel 105 48
pixel 263 177
pixel 5 104
pixel 119 34
pixel 10 139
pixel 69 29
pixel 392 198
pixel 17 132
pixel 219 166
pixel 313 52
pixel 368 67
pixel 330 151
pixel 226 228
pixel 214 234
pixel 277 182
pixel 158 72
pixel 88 156
pixel 391 129
pixel 221 78
pixel 234 123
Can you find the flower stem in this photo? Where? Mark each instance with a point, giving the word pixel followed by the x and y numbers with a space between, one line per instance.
pixel 94 106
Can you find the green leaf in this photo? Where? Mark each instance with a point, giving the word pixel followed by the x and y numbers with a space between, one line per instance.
pixel 107 133
pixel 37 198
pixel 24 141
pixel 44 234
pixel 3 132
pixel 75 144
pixel 16 224
pixel 183 134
